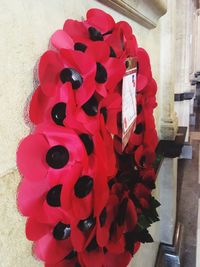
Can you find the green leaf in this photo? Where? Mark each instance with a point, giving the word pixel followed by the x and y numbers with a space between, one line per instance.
pixel 154 203
pixel 152 215
pixel 143 222
pixel 145 237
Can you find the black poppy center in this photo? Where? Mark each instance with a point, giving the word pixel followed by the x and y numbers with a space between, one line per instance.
pixel 92 245
pixel 139 128
pixel 88 143
pixel 105 250
pixel 119 120
pixel 139 109
pixel 91 106
pixel 102 217
pixel 111 183
pixel 112 230
pixel 129 241
pixel 71 75
pixel 57 157
pixel 101 73
pixel 95 35
pixel 104 112
pixel 142 160
pixel 61 231
pixel 71 255
pixel 83 186
pixel 80 47
pixel 58 113
pixel 150 184
pixel 138 67
pixel 121 216
pixel 112 52
pixel 53 196
pixel 87 224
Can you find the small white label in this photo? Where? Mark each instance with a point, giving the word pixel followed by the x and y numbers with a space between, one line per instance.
pixel 129 111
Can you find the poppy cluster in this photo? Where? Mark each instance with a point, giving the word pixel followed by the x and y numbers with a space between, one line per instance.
pixel 87 202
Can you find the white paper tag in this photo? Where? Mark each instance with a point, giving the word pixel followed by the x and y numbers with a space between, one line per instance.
pixel 129 110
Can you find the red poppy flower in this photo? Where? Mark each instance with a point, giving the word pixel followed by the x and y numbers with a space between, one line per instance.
pixel 82 192
pixel 144 156
pixel 39 198
pixel 137 136
pixel 109 107
pixel 104 221
pixel 151 139
pixel 99 227
pixel 142 193
pixel 110 157
pixel 92 184
pixel 148 177
pixel 52 109
pixel 50 150
pixel 97 25
pixel 58 68
pixel 117 144
pixel 83 231
pixel 110 70
pixel 149 93
pixel 92 254
pixel 52 242
pixel 150 134
pixel 122 41
pixel 148 174
pixel 117 260
pixel 126 218
pixel 144 75
pixel 100 20
pixel 79 35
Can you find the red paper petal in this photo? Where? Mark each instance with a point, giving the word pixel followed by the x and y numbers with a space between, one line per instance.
pixel 75 29
pixel 49 67
pixel 94 258
pixel 51 250
pixel 99 50
pixel 121 260
pixel 60 39
pixel 116 70
pixel 31 158
pixel 36 230
pixel 141 82
pixel 100 19
pixel 31 196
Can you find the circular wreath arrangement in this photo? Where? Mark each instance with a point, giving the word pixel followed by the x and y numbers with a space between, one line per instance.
pixel 87 202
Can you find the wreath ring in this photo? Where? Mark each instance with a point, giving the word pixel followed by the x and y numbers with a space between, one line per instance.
pixel 88 203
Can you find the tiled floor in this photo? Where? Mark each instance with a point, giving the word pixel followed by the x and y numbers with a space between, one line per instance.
pixel 188 205
pixel 198 238
pixel 188 200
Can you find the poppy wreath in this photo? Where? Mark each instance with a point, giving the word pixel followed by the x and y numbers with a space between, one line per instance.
pixel 88 203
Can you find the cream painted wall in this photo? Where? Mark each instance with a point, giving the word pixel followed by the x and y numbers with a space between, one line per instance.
pixel 25 29
pixel 15 250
